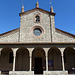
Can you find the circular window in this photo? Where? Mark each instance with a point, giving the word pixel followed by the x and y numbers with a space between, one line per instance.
pixel 37 32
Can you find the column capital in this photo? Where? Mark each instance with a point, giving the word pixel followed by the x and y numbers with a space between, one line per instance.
pixel 1 49
pixel 14 51
pixel 61 50
pixel 46 49
pixel 30 49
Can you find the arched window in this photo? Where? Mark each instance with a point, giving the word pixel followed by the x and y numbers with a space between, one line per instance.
pixel 37 18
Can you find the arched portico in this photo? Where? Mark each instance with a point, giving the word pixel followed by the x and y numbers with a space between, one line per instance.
pixel 54 59
pixel 6 63
pixel 22 59
pixel 38 60
pixel 69 58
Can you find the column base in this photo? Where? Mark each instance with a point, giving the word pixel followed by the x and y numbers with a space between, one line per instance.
pixel 21 73
pixel 55 72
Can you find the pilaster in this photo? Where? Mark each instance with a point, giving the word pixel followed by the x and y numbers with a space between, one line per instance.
pixel 52 27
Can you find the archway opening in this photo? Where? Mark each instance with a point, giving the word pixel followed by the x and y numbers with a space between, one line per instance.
pixel 38 61
pixel 22 59
pixel 6 63
pixel 54 59
pixel 69 59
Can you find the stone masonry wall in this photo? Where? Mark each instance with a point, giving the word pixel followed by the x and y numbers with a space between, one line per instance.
pixel 26 30
pixel 28 23
pixel 10 37
pixel 62 37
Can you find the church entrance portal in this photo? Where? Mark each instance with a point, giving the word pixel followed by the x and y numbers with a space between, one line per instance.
pixel 38 61
pixel 38 69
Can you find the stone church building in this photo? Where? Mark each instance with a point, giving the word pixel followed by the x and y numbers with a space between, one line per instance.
pixel 37 47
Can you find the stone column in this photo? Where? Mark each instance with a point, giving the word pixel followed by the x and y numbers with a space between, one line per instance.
pixel 14 55
pixel 30 61
pixel 30 54
pixel 62 54
pixel 0 51
pixel 46 54
pixel 46 61
pixel 63 62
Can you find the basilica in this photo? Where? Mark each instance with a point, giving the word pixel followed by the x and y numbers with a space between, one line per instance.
pixel 37 47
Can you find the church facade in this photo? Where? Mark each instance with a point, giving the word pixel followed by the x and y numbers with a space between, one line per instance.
pixel 37 47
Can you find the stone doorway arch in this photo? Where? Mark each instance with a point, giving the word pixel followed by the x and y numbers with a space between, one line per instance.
pixel 22 59
pixel 38 60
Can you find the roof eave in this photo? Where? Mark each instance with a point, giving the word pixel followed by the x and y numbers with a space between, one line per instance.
pixel 52 13
pixel 38 9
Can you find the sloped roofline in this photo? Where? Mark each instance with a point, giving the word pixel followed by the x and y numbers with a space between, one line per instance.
pixel 37 9
pixel 65 32
pixel 55 29
pixel 9 31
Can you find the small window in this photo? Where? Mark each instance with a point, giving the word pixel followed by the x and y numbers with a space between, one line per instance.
pixel 11 57
pixel 37 18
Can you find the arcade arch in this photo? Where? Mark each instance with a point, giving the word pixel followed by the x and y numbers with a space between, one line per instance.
pixel 22 59
pixel 38 60
pixel 54 57
pixel 69 58
pixel 6 59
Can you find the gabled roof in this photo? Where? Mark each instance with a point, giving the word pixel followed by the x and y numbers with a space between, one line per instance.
pixel 65 32
pixel 9 31
pixel 55 29
pixel 42 10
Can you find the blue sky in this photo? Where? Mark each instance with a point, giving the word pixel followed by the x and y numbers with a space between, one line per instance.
pixel 64 9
